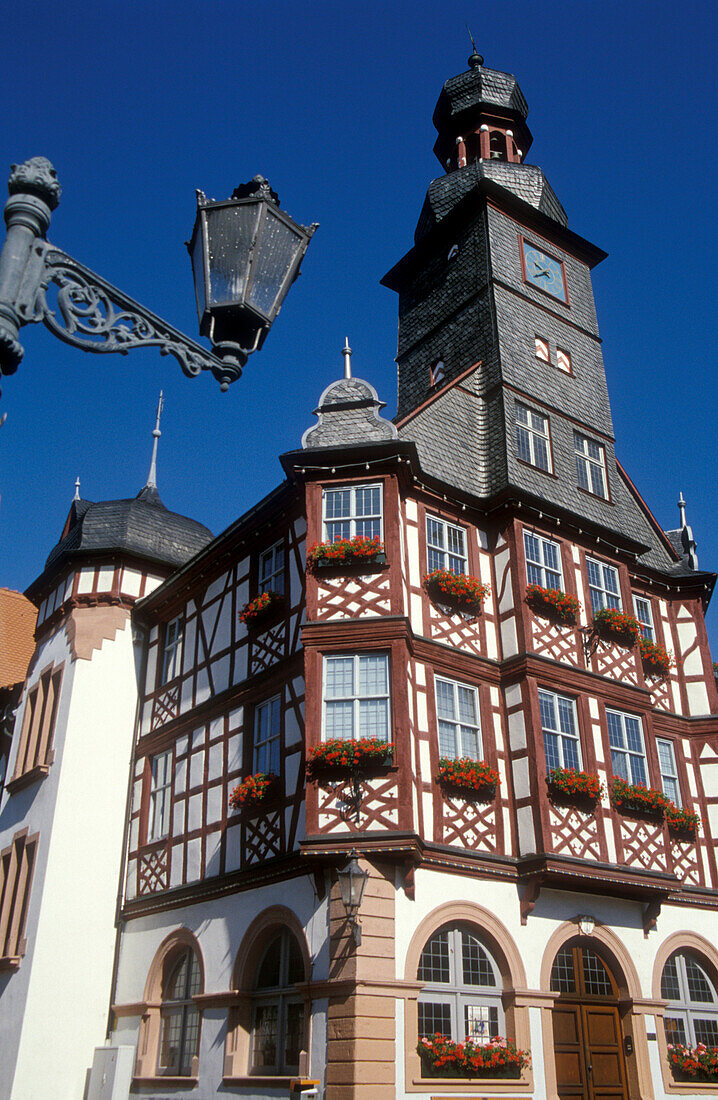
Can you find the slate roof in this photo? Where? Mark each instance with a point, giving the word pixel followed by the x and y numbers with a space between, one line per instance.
pixel 142 527
pixel 526 181
pixel 476 87
pixel 348 413
pixel 17 641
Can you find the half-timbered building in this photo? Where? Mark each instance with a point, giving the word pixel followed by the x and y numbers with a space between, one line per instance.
pixel 453 651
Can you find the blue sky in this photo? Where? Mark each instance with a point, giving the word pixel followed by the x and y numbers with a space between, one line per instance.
pixel 137 104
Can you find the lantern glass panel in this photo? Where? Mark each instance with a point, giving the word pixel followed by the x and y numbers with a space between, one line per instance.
pixel 197 256
pixel 275 256
pixel 231 231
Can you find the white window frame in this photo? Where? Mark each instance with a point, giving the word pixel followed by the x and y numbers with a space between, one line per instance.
pixel 359 521
pixel 456 993
pixel 564 728
pixel 161 777
pixel 172 650
pixel 536 566
pixel 670 783
pixel 604 594
pixel 440 553
pixel 590 465
pixel 644 614
pixel 532 433
pixel 270 569
pixel 684 1009
pixel 463 732
pixel 625 760
pixel 267 741
pixel 355 697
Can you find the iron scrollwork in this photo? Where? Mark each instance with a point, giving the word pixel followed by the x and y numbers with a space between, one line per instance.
pixel 91 314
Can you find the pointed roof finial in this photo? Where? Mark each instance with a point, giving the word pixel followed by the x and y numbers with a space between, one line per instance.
pixel 682 509
pixel 347 353
pixel 476 60
pixel 77 489
pixel 156 433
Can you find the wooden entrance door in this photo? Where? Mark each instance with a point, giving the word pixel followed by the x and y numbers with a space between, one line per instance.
pixel 588 1040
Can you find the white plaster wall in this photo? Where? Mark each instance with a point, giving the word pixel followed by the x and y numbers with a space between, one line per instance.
pixel 220 926
pixel 68 994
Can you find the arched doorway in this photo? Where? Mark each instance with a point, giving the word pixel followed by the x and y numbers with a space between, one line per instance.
pixel 587 1034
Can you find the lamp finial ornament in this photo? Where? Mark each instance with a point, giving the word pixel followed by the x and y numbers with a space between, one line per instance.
pixel 682 508
pixel 347 353
pixel 476 60
pixel 38 177
pixel 156 433
pixel 77 489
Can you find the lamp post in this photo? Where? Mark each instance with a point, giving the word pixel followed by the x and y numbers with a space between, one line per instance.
pixel 352 882
pixel 245 252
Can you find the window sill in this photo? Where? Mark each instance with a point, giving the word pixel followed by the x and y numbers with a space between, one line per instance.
pixel 436 1085
pixel 596 496
pixel 167 1080
pixel 323 565
pixel 19 782
pixel 539 469
pixel 257 1078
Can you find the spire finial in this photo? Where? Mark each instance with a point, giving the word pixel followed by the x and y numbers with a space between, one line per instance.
pixel 682 509
pixel 347 353
pixel 77 489
pixel 476 60
pixel 152 475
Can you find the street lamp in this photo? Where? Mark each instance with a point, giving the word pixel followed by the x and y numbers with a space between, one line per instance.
pixel 352 881
pixel 246 253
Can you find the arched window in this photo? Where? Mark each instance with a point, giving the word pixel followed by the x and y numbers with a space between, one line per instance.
pixel 277 1030
pixel 179 1037
pixel 692 1013
pixel 498 145
pixel 462 994
pixel 580 971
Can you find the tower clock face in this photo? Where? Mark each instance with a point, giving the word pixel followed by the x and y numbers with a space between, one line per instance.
pixel 543 271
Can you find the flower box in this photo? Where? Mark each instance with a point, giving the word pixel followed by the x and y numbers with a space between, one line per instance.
pixel 637 799
pixel 463 591
pixel 254 790
pixel 682 822
pixel 553 604
pixel 341 758
pixel 568 784
pixel 657 661
pixel 357 551
pixel 699 1063
pixel 613 624
pixel 473 777
pixel 497 1058
pixel 261 607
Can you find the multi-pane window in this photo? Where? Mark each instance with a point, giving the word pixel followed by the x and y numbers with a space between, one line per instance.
pixel 692 1013
pixel 669 772
pixel 271 569
pixel 352 511
pixel 445 546
pixel 642 608
pixel 267 731
pixel 578 969
pixel 462 991
pixel 603 585
pixel 560 730
pixel 356 696
pixel 158 825
pixel 457 711
pixel 532 438
pixel 590 465
pixel 172 651
pixel 628 755
pixel 179 1041
pixel 277 1009
pixel 543 561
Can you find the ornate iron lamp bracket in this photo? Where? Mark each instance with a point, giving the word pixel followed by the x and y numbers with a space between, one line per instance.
pixel 91 314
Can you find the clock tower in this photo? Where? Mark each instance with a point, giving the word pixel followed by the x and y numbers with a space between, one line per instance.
pixel 498 343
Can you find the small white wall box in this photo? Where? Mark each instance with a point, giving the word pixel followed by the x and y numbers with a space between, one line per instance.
pixel 111 1073
pixel 303 1087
